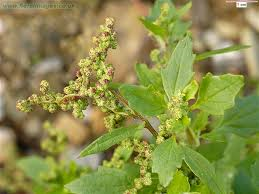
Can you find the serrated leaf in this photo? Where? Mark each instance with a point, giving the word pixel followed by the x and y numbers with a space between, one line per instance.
pixel 111 138
pixel 202 168
pixel 217 93
pixel 155 29
pixel 242 119
pixel 104 181
pixel 255 174
pixel 208 54
pixel 148 76
pixel 178 72
pixel 33 167
pixel 144 100
pixel 167 158
pixel 179 184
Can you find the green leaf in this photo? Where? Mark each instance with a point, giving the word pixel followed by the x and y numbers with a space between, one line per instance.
pixel 178 72
pixel 212 151
pixel 208 54
pixel 179 184
pixel 177 30
pixel 184 9
pixel 190 90
pixel 217 93
pixel 155 29
pixel 104 181
pixel 242 183
pixel 242 119
pixel 200 121
pixel 114 85
pixel 111 138
pixel 148 76
pixel 144 100
pixel 33 167
pixel 202 168
pixel 255 174
pixel 167 157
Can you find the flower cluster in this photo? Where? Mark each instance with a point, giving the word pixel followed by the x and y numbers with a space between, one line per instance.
pixel 93 78
pixel 174 119
pixel 163 17
pixel 120 155
pixel 55 142
pixel 143 159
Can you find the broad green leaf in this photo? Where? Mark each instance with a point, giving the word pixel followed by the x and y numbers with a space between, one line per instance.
pixel 178 72
pixel 145 100
pixel 200 121
pixel 201 189
pixel 111 138
pixel 148 76
pixel 242 119
pixel 104 181
pixel 190 90
pixel 155 29
pixel 208 54
pixel 255 174
pixel 233 151
pixel 179 184
pixel 33 167
pixel 167 157
pixel 212 151
pixel 202 168
pixel 242 183
pixel 217 93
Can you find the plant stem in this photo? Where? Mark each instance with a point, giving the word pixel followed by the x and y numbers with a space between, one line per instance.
pixel 136 114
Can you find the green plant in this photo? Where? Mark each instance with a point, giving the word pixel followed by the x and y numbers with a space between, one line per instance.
pixel 206 141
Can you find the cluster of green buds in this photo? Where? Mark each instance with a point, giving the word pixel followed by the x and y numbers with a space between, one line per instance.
pixel 120 155
pixel 93 78
pixel 163 17
pixel 113 120
pixel 174 119
pixel 143 159
pixel 158 58
pixel 56 140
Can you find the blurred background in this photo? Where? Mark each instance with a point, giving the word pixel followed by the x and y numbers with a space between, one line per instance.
pixel 38 44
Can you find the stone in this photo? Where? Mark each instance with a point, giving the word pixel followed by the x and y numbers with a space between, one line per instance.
pixel 2 99
pixel 7 144
pixel 32 127
pixel 48 65
pixel 76 131
pixel 250 37
pixel 252 16
pixel 92 161
pixel 96 120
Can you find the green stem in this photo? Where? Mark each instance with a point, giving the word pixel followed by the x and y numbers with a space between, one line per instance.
pixel 136 114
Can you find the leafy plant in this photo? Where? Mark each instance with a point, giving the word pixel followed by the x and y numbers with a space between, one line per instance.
pixel 196 118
